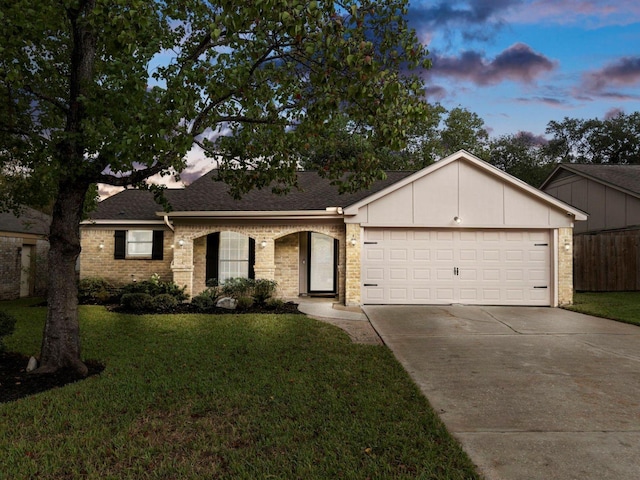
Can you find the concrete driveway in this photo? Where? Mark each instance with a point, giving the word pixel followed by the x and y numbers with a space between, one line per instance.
pixel 531 393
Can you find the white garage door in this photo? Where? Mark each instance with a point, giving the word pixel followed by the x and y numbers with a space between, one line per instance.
pixel 475 267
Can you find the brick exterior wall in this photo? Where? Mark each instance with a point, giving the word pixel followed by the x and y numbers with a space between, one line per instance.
pixel 97 262
pixel 278 260
pixel 186 265
pixel 565 266
pixel 11 265
pixel 352 264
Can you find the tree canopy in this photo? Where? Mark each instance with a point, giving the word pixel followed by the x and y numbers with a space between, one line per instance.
pixel 116 91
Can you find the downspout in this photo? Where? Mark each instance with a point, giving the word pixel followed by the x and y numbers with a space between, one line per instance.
pixel 166 220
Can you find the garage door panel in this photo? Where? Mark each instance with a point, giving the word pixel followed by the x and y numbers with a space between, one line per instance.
pixel 492 267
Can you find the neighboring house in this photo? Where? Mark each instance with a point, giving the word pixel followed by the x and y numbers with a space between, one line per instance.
pixel 607 245
pixel 23 253
pixel 458 231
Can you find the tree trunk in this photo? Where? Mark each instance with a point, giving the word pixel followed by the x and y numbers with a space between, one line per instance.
pixel 61 338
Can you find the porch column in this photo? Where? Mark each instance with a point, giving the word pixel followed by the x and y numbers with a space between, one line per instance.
pixel 352 265
pixel 182 265
pixel 265 266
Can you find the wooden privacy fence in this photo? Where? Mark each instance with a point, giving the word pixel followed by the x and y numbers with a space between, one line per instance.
pixel 607 261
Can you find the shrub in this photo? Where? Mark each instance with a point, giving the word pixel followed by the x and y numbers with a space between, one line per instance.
pixel 244 303
pixel 206 300
pixel 264 290
pixel 164 303
pixel 155 286
pixel 238 287
pixel 96 290
pixel 7 324
pixel 274 303
pixel 138 302
pixel 202 303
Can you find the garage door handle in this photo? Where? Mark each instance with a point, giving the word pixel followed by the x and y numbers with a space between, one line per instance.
pixel 541 287
pixel 370 243
pixel 370 284
pixel 540 244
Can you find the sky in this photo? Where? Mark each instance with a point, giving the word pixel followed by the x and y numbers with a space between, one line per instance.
pixel 520 64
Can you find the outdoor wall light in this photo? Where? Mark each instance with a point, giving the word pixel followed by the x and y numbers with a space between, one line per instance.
pixel 457 219
pixel 101 246
pixel 567 246
pixel 181 243
pixel 263 244
pixel 353 241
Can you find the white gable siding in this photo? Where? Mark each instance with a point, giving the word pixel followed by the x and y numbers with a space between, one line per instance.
pixel 480 198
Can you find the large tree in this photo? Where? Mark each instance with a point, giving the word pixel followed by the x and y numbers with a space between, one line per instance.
pixel 613 140
pixel 116 91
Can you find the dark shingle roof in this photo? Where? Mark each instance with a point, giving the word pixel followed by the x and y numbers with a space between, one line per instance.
pixel 624 177
pixel 131 205
pixel 205 194
pixel 29 221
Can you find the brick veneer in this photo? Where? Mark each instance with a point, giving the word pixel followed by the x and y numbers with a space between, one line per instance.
pixel 186 264
pixel 352 284
pixel 97 262
pixel 565 266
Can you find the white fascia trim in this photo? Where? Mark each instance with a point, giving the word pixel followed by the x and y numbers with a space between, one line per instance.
pixel 254 214
pixel 122 222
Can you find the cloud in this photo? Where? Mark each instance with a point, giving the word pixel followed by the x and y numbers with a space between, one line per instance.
pixel 474 20
pixel 620 73
pixel 586 13
pixel 614 112
pixel 518 63
pixel 550 101
pixel 435 92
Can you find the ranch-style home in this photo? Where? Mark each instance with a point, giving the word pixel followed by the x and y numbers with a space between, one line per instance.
pixel 458 231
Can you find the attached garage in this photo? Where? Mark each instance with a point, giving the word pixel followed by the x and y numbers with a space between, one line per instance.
pixel 463 232
pixel 438 266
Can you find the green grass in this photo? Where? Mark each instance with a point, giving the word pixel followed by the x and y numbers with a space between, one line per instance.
pixel 233 396
pixel 621 306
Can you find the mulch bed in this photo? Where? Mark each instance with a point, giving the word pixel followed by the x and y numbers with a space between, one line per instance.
pixel 16 383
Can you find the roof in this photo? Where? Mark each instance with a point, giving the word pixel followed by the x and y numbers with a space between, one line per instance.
pixel 29 221
pixel 207 195
pixel 621 177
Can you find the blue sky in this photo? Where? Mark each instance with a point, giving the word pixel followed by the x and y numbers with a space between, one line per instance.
pixel 519 64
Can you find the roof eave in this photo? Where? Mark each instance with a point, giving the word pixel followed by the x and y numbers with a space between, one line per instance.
pixel 331 212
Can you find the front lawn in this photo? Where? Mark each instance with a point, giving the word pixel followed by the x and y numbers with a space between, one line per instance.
pixel 226 396
pixel 622 306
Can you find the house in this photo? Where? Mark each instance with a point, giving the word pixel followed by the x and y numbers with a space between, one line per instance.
pixel 607 245
pixel 23 253
pixel 458 231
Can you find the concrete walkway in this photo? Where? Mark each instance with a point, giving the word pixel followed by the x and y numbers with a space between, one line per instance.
pixel 351 319
pixel 531 393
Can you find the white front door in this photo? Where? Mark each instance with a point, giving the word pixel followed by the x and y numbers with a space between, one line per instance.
pixel 321 263
pixel 480 267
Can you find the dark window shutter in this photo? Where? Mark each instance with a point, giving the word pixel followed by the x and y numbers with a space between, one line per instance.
pixel 213 244
pixel 252 257
pixel 157 250
pixel 120 249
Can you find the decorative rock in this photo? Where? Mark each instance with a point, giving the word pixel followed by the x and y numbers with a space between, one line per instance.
pixel 32 365
pixel 228 303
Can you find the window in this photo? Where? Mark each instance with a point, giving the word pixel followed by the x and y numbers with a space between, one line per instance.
pixel 233 256
pixel 229 255
pixel 139 243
